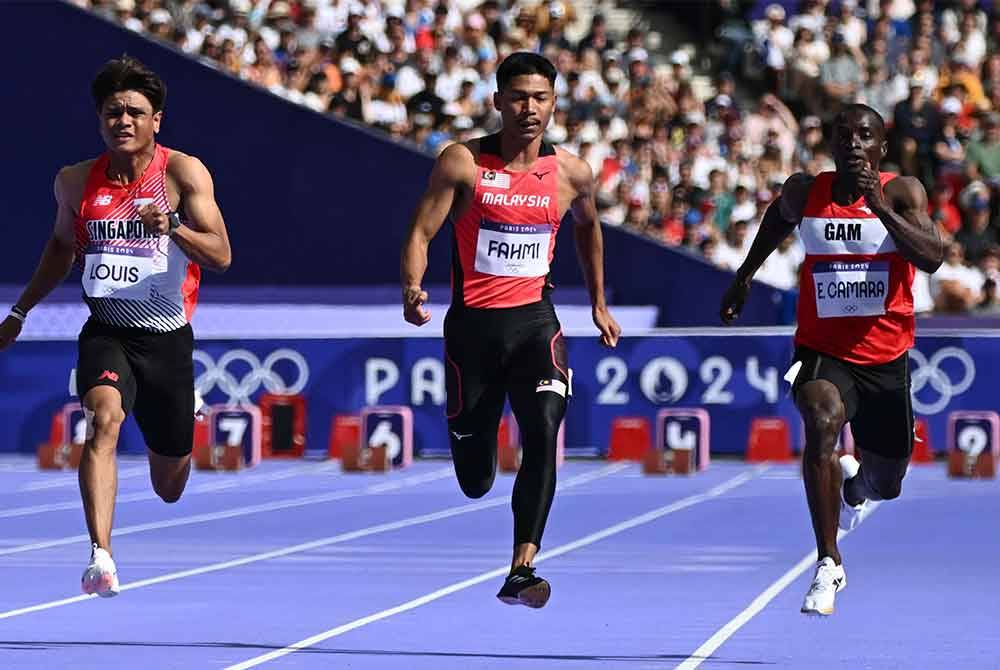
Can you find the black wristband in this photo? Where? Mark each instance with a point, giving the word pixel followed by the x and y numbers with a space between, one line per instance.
pixel 174 220
pixel 20 312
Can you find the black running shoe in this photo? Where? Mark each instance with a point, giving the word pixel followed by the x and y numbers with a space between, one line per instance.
pixel 523 587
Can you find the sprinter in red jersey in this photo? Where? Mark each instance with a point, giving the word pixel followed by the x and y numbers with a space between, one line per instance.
pixel 140 220
pixel 864 231
pixel 505 196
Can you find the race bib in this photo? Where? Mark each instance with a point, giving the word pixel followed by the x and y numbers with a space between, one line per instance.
pixel 113 271
pixel 851 289
pixel 510 250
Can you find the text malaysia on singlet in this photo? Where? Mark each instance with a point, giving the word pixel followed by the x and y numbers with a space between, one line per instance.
pixel 119 260
pixel 510 250
pixel 851 288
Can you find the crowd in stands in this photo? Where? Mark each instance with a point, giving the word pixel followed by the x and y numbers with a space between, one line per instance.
pixel 691 170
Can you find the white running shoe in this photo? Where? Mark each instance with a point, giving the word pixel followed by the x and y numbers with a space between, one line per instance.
pixel 851 515
pixel 830 578
pixel 101 576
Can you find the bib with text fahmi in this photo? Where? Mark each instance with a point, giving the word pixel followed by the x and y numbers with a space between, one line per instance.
pixel 851 288
pixel 510 250
pixel 117 271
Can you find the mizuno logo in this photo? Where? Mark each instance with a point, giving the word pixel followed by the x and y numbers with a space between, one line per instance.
pixel 460 436
pixel 541 174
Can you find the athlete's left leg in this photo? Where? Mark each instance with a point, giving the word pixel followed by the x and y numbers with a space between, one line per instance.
pixel 164 409
pixel 538 385
pixel 883 431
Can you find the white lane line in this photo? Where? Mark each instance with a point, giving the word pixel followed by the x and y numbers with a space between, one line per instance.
pixel 712 644
pixel 73 481
pixel 628 524
pixel 208 487
pixel 316 544
pixel 234 512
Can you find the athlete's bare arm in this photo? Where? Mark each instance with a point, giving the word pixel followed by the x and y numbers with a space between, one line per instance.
pixel 589 241
pixel 60 250
pixel 204 238
pixel 452 179
pixel 780 220
pixel 902 207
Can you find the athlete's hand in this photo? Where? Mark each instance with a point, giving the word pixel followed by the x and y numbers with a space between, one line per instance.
pixel 733 299
pixel 610 330
pixel 154 220
pixel 9 330
pixel 413 306
pixel 871 188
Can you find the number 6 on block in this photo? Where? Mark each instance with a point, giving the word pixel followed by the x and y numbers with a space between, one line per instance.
pixel 389 426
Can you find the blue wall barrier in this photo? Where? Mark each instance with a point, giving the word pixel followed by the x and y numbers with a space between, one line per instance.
pixel 309 200
pixel 736 377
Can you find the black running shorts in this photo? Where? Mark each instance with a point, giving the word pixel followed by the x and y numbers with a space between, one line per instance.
pixel 153 372
pixel 876 399
pixel 491 352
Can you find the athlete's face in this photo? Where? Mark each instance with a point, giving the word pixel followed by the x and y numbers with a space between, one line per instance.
pixel 858 141
pixel 128 123
pixel 526 105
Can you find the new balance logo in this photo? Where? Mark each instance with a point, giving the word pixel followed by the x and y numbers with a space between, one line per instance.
pixel 460 436
pixel 103 200
pixel 108 374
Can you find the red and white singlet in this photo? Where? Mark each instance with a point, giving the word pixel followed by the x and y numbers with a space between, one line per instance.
pixel 131 278
pixel 506 239
pixel 855 297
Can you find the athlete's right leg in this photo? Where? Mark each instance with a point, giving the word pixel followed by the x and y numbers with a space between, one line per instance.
pixel 826 398
pixel 98 469
pixel 823 413
pixel 475 401
pixel 106 386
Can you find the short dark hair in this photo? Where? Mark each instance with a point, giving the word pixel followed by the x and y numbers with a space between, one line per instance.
pixel 524 63
pixel 128 74
pixel 864 109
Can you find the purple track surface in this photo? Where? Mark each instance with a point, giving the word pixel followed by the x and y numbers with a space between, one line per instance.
pixel 922 593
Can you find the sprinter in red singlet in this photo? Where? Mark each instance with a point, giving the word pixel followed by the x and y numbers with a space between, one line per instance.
pixel 505 196
pixel 864 231
pixel 139 220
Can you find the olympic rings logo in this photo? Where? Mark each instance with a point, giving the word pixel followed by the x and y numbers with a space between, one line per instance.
pixel 261 373
pixel 929 372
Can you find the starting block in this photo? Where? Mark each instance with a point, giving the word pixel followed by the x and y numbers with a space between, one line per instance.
pixel 509 445
pixel 922 452
pixel 345 429
pixel 283 419
pixel 217 457
pixel 973 444
pixel 225 429
pixel 385 440
pixel 682 443
pixel 630 438
pixel 360 458
pixel 67 434
pixel 770 440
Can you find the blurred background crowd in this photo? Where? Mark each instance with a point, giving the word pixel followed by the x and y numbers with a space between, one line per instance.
pixel 689 140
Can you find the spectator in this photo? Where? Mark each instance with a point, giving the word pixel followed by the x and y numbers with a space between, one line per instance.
pixel 977 235
pixel 840 76
pixel 983 154
pixel 916 124
pixel 955 287
pixel 942 211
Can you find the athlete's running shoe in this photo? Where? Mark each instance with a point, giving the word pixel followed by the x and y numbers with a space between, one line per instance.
pixel 830 578
pixel 851 515
pixel 524 587
pixel 101 576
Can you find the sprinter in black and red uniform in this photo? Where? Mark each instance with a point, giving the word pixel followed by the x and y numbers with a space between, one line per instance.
pixel 864 232
pixel 505 196
pixel 141 220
